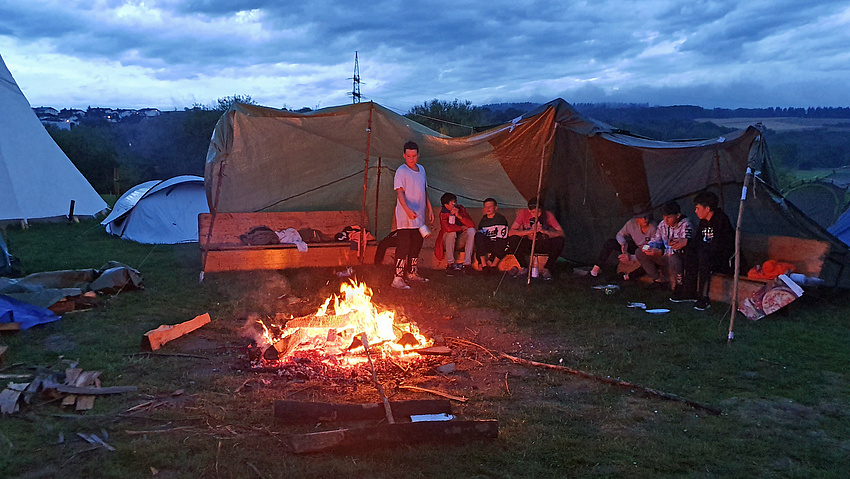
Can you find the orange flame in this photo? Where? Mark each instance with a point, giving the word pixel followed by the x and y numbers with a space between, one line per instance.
pixel 337 334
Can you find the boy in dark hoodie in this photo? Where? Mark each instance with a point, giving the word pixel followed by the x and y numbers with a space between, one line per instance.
pixel 713 247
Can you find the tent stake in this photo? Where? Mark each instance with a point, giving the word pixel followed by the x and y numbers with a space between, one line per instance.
pixel 747 178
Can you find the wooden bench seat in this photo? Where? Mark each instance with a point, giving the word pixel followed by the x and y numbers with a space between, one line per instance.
pixel 224 250
pixel 807 256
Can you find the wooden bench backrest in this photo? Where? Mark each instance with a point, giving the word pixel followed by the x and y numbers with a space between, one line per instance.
pixel 228 226
pixel 807 255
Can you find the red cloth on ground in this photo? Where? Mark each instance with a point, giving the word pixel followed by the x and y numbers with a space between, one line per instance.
pixel 770 270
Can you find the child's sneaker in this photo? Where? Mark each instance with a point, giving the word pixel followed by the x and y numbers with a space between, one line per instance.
pixel 450 270
pixel 398 283
pixel 702 304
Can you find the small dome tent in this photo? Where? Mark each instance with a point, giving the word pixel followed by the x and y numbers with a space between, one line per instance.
pixel 160 211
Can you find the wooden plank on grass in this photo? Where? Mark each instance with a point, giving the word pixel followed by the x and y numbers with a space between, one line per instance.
pixel 3 354
pixel 85 402
pixel 154 339
pixel 10 327
pixel 398 433
pixel 69 400
pixel 96 391
pixel 311 412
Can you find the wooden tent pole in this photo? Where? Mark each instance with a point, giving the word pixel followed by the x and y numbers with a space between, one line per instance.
pixel 361 247
pixel 377 195
pixel 213 212
pixel 531 260
pixel 747 179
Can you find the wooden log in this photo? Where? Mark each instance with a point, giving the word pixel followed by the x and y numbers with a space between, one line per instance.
pixel 434 351
pixel 62 388
pixel 154 339
pixel 3 354
pixel 399 433
pixel 69 400
pixel 10 327
pixel 299 411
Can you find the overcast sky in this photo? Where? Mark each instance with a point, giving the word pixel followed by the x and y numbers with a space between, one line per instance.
pixel 170 54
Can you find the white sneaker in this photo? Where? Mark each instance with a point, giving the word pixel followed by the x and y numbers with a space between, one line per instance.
pixel 398 283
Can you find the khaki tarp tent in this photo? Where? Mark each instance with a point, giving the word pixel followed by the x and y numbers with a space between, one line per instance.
pixel 263 159
pixel 37 180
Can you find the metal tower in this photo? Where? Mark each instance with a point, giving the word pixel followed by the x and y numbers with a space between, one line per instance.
pixel 355 89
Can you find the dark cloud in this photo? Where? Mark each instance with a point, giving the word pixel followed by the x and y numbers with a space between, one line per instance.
pixel 483 51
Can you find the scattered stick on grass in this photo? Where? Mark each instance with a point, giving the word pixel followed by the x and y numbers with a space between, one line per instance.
pixel 155 338
pixel 615 382
pixel 167 355
pixel 438 393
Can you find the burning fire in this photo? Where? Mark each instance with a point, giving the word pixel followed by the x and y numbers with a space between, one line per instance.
pixel 337 335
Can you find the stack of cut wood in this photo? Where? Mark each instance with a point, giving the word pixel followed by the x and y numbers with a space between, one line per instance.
pixel 79 389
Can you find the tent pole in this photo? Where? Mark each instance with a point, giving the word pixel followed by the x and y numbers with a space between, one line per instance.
pixel 212 218
pixel 747 178
pixel 363 220
pixel 531 259
pixel 377 195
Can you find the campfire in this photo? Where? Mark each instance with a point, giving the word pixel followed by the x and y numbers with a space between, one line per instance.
pixel 336 333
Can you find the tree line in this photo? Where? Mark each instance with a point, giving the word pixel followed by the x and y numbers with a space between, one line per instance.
pixel 117 156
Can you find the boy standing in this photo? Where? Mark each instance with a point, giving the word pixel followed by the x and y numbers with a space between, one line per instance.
pixel 412 205
pixel 491 240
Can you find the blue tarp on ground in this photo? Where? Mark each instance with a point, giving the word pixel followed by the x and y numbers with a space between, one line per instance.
pixel 28 315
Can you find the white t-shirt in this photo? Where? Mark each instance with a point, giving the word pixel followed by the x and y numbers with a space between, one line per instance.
pixel 415 194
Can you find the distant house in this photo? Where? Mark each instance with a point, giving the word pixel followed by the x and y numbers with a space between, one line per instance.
pixel 43 111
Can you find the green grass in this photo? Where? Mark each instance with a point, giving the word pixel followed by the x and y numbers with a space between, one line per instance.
pixel 782 384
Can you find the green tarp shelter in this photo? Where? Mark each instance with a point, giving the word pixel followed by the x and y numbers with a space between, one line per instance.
pixel 340 158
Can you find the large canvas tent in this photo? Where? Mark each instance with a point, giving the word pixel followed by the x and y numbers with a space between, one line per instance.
pixel 159 211
pixel 262 159
pixel 37 180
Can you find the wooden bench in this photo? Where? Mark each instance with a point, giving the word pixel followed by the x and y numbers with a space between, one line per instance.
pixel 807 256
pixel 224 250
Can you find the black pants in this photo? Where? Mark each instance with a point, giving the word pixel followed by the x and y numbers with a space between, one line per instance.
pixel 408 245
pixel 521 246
pixel 699 265
pixel 488 248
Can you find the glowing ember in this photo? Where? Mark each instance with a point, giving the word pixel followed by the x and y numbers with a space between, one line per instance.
pixel 336 336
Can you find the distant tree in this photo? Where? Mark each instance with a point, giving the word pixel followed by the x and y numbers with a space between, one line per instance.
pixel 224 103
pixel 455 118
pixel 92 150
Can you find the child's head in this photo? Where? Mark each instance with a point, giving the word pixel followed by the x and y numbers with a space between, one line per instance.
pixel 705 203
pixel 490 206
pixel 449 200
pixel 671 211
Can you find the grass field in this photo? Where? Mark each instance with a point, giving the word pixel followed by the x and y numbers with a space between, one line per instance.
pixel 782 385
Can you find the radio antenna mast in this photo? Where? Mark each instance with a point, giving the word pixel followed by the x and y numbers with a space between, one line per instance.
pixel 355 89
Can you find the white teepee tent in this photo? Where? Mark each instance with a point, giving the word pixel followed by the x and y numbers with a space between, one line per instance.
pixel 37 180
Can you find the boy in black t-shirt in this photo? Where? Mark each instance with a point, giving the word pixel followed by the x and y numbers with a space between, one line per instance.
pixel 491 239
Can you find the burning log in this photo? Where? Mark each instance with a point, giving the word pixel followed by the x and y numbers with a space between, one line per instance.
pixel 310 412
pixel 399 433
